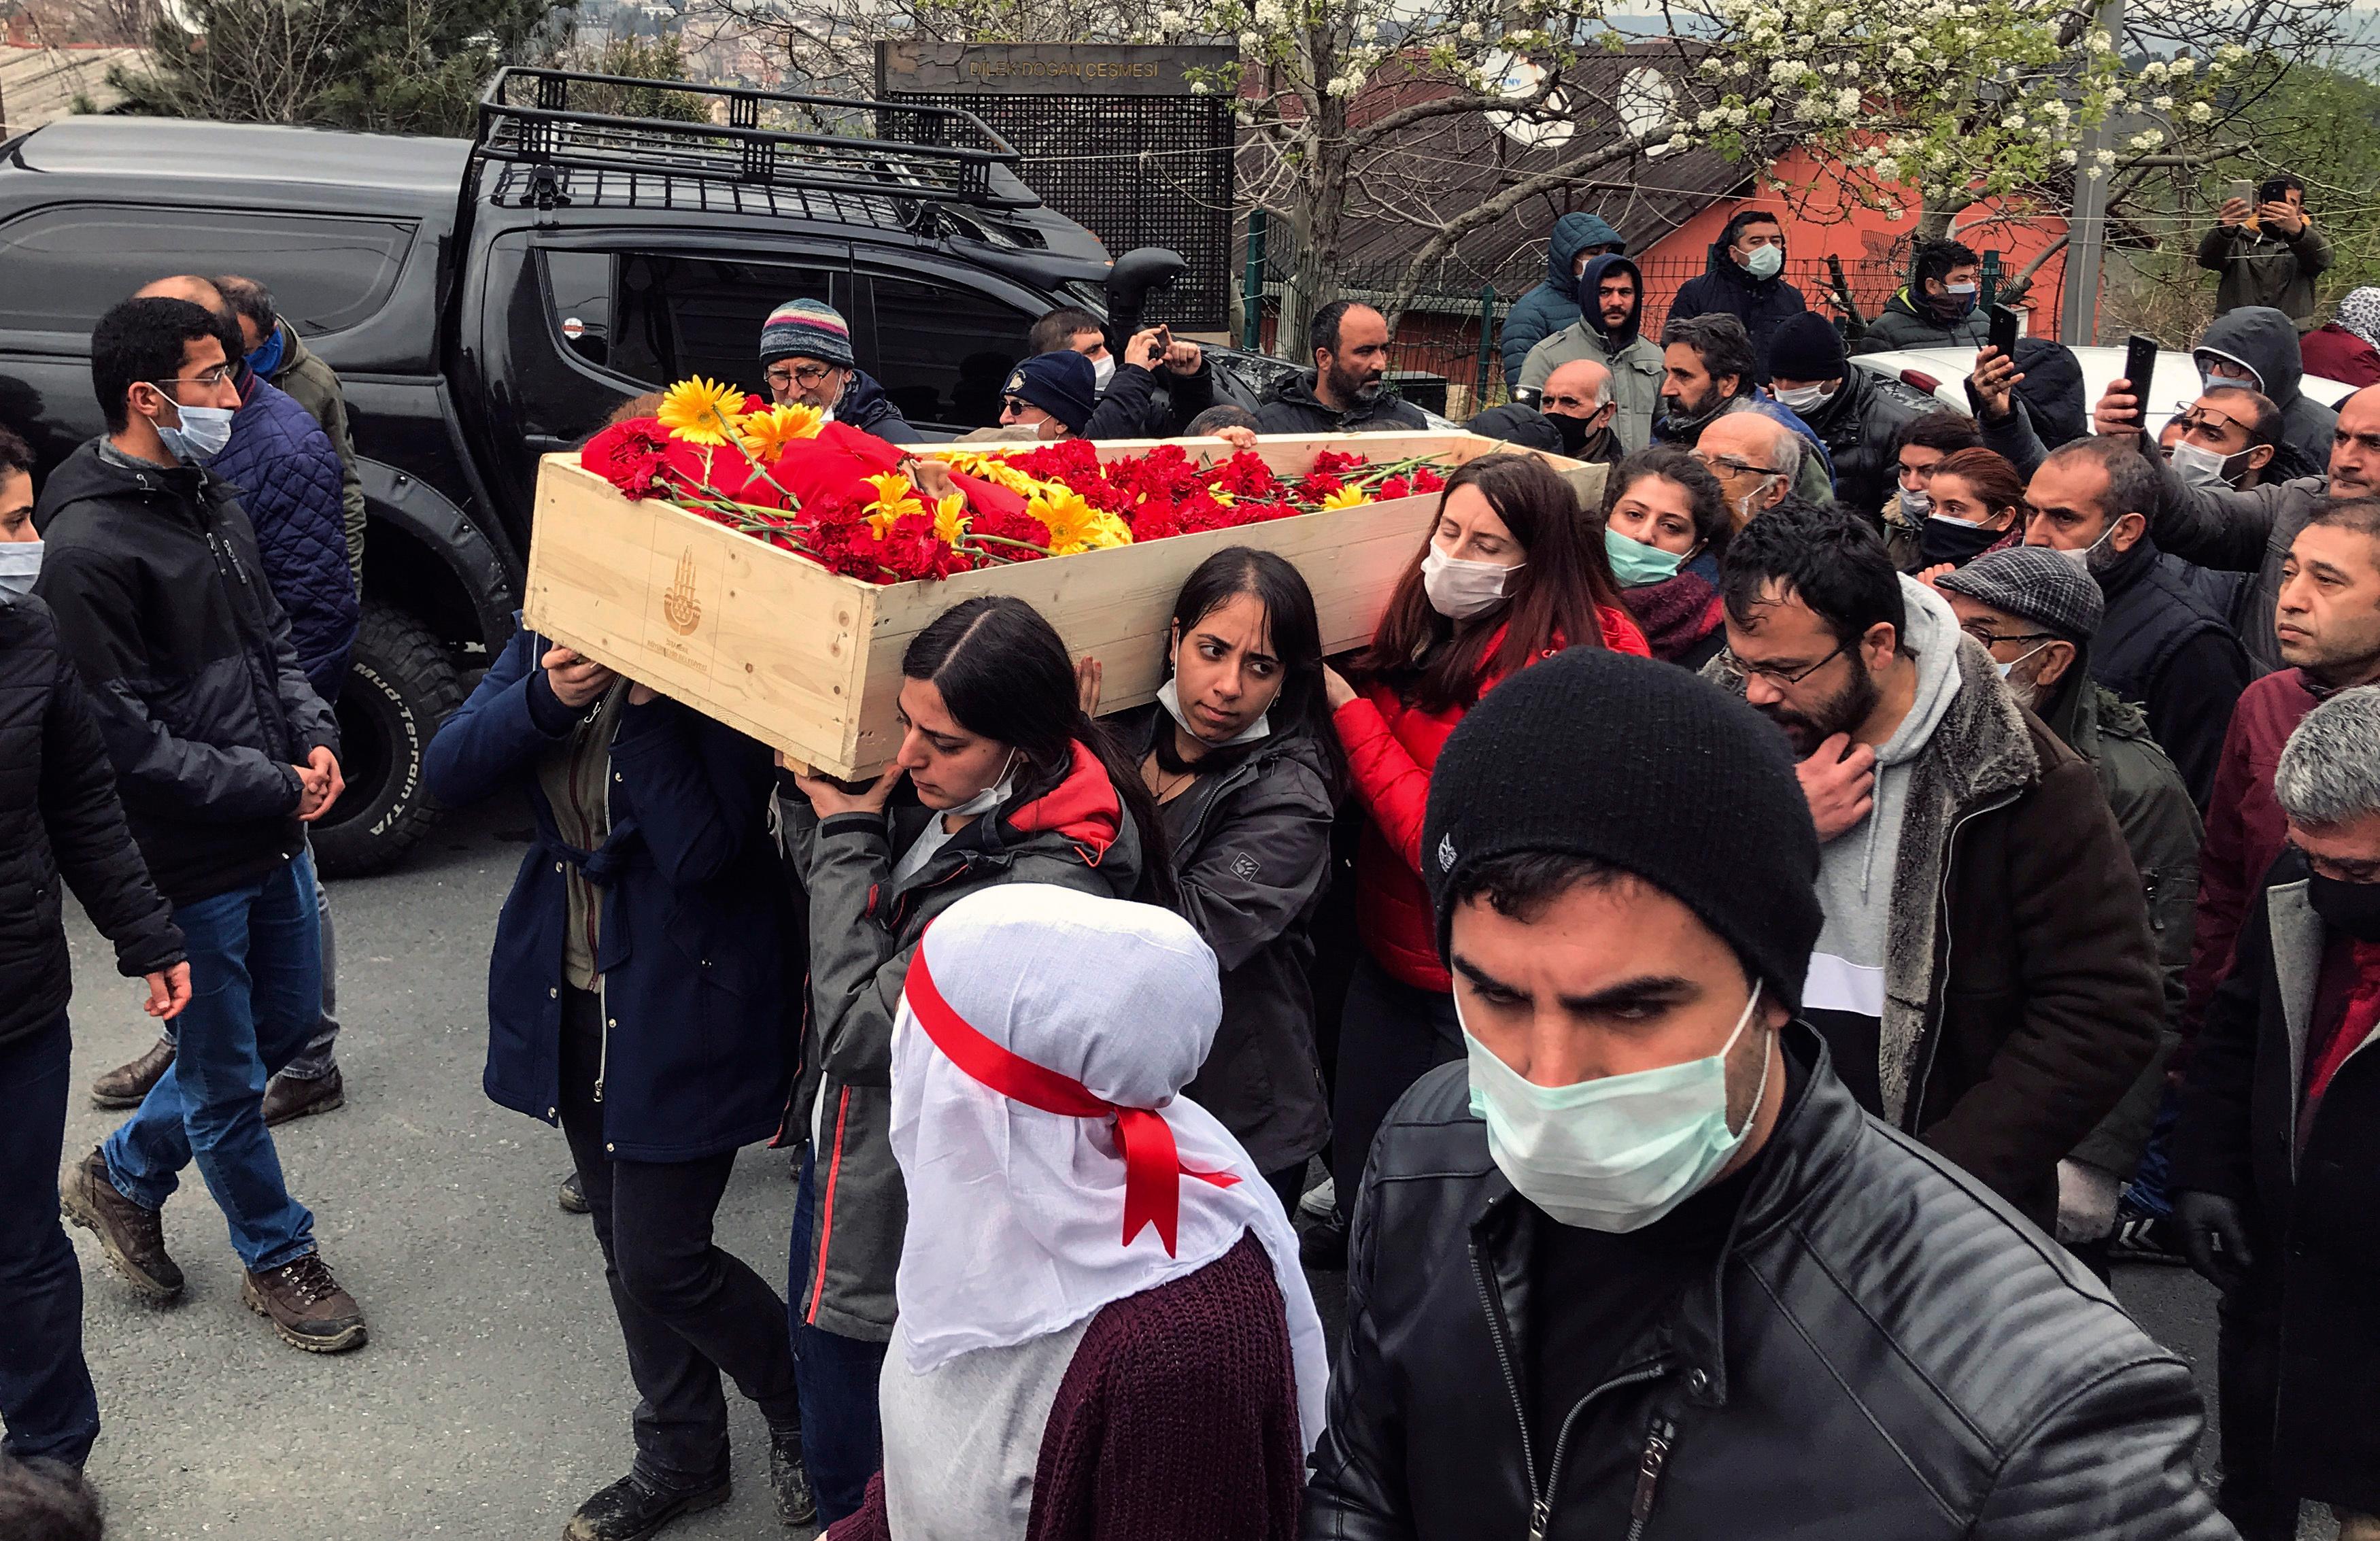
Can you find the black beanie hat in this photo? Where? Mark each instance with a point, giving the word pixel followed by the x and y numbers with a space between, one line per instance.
pixel 1647 767
pixel 1061 383
pixel 1806 346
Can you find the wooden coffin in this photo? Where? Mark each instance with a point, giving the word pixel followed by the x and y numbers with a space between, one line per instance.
pixel 810 660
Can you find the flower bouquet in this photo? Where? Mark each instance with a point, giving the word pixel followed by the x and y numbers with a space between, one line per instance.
pixel 825 490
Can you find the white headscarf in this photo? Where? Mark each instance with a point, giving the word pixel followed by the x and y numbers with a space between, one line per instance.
pixel 1016 1214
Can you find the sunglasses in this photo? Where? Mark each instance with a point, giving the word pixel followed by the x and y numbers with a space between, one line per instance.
pixel 804 375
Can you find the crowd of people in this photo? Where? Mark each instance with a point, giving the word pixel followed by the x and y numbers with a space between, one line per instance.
pixel 1767 920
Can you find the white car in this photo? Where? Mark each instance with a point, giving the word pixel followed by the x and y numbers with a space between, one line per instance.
pixel 1942 372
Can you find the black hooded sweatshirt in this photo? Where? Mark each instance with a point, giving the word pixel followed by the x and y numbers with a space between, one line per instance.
pixel 162 603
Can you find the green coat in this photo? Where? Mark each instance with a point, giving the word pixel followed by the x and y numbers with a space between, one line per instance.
pixel 2162 832
pixel 2262 267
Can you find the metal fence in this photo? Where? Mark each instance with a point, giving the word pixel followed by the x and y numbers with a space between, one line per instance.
pixel 1447 347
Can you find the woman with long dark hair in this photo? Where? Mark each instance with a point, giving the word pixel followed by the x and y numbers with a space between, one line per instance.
pixel 1245 768
pixel 1507 576
pixel 1009 782
pixel 1665 527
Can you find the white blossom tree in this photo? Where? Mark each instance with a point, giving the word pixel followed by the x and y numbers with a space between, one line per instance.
pixel 1353 111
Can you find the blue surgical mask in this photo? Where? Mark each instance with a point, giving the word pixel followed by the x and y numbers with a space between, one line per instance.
pixel 1635 564
pixel 203 433
pixel 21 563
pixel 2020 658
pixel 1615 1154
pixel 1765 262
pixel 269 353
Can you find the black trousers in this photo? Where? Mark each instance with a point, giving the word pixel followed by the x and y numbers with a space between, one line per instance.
pixel 2247 1372
pixel 45 1392
pixel 687 1309
pixel 1390 1035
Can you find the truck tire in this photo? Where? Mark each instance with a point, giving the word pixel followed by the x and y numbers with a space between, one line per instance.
pixel 400 685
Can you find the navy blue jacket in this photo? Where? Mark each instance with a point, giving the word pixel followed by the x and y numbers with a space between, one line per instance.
pixel 699 1052
pixel 865 407
pixel 290 482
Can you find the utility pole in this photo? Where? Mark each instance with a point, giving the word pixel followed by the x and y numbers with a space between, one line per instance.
pixel 2087 243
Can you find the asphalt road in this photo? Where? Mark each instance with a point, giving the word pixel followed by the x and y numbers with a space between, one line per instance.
pixel 493 1395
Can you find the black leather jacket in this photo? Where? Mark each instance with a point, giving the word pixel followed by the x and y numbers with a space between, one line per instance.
pixel 1888 1353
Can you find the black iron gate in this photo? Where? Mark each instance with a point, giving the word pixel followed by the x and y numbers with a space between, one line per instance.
pixel 1112 137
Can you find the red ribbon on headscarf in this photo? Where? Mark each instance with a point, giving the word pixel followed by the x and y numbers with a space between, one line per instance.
pixel 1152 1166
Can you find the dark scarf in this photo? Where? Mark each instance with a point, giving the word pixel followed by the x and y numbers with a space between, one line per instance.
pixel 1675 613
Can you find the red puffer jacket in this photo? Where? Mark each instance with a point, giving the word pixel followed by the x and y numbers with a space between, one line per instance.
pixel 1391 748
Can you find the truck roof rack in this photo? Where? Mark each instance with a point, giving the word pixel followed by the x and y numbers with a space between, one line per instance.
pixel 916 152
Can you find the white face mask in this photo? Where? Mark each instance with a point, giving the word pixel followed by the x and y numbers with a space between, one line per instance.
pixel 2198 467
pixel 1915 506
pixel 2087 557
pixel 1458 589
pixel 1613 1155
pixel 21 563
pixel 1102 371
pixel 990 797
pixel 1171 699
pixel 203 433
pixel 1800 398
pixel 1765 262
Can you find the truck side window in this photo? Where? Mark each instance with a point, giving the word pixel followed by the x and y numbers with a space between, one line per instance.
pixel 67 265
pixel 578 287
pixel 677 316
pixel 931 381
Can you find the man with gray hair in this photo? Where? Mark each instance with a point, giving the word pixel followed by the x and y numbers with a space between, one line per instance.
pixel 2277 1156
pixel 1579 401
pixel 1756 459
pixel 2036 613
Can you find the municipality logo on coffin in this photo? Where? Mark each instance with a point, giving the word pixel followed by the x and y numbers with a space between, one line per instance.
pixel 679 607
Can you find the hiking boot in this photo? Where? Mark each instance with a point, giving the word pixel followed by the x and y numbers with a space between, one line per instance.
pixel 572 1196
pixel 632 1509
pixel 126 1085
pixel 286 1098
pixel 789 1481
pixel 132 1235
pixel 305 1306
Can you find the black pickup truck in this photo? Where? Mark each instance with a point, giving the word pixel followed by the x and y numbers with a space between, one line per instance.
pixel 489 300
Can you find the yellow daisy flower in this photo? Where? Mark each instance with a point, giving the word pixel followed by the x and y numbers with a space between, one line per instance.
pixel 698 411
pixel 1347 497
pixel 766 433
pixel 951 518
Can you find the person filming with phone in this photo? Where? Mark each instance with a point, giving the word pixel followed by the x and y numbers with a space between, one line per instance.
pixel 2267 252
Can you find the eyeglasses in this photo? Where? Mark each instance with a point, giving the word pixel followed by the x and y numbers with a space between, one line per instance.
pixel 2193 419
pixel 1730 463
pixel 804 375
pixel 1991 639
pixel 1735 660
pixel 1014 406
pixel 209 378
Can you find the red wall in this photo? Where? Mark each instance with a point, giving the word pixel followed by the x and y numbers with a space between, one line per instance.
pixel 1821 220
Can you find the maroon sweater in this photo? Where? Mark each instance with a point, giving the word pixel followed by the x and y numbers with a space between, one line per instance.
pixel 2245 828
pixel 1176 1421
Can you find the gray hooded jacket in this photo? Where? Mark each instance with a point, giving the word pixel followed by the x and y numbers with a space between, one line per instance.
pixel 2265 341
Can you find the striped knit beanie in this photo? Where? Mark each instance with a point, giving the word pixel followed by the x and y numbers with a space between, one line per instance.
pixel 807 329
